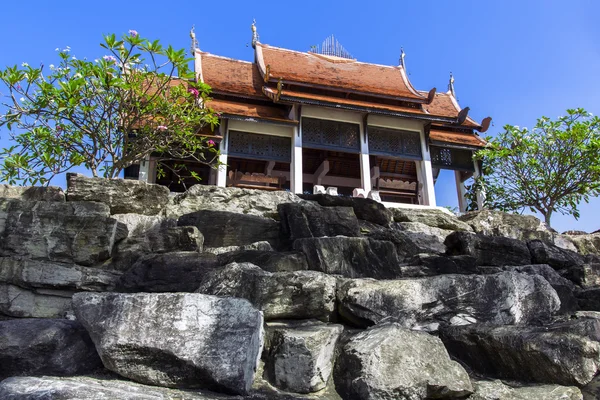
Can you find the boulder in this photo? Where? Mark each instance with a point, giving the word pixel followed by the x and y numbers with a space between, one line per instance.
pixel 427 303
pixel 183 340
pixel 260 246
pixel 514 226
pixel 300 356
pixel 307 219
pixel 140 224
pixel 585 275
pixel 589 299
pixel 544 253
pixel 423 238
pixel 32 193
pixel 436 264
pixel 92 388
pixel 351 257
pixel 260 203
pixel 365 209
pixel 71 232
pixel 433 217
pixel 168 272
pixel 223 228
pixel 591 391
pixel 272 261
pixel 496 390
pixel 34 303
pixel 489 250
pixel 390 362
pixel 587 243
pixel 566 353
pixel 279 295
pixel 45 346
pixel 123 196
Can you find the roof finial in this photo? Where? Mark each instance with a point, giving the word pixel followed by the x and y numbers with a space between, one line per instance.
pixel 254 34
pixel 451 85
pixel 194 41
pixel 402 55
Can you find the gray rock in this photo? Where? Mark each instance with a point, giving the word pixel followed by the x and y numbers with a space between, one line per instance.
pixel 514 226
pixel 427 303
pixel 123 196
pixel 259 246
pixel 589 299
pixel 71 232
pixel 280 295
pixel 496 390
pixel 45 346
pixel 365 209
pixel 565 353
pixel 175 339
pixel 300 356
pixel 351 257
pixel 140 224
pixel 432 217
pixel 34 303
pixel 585 275
pixel 169 272
pixel 424 238
pixel 435 264
pixel 222 228
pixel 32 193
pixel 236 200
pixel 489 250
pixel 308 219
pixel 89 388
pixel 544 253
pixel 586 244
pixel 389 362
pixel 272 261
pixel 591 391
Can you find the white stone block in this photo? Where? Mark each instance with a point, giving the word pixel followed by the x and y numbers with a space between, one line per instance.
pixel 318 189
pixel 332 191
pixel 359 192
pixel 374 194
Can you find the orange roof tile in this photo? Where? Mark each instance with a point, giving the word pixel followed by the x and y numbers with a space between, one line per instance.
pixel 445 105
pixel 350 75
pixel 235 77
pixel 263 112
pixel 467 139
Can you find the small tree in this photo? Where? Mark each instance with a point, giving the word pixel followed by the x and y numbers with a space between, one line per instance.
pixel 105 114
pixel 551 168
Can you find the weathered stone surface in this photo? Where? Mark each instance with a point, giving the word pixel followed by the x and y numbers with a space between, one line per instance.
pixel 308 219
pixel 389 362
pixel 489 250
pixel 168 272
pixel 365 209
pixel 591 391
pixel 32 193
pixel 259 246
pixel 280 295
pixel 435 264
pixel 585 275
pixel 175 339
pixel 496 390
pixel 427 303
pixel 565 353
pixel 236 200
pixel 34 303
pixel 544 253
pixel 423 238
pixel 586 244
pixel 123 196
pixel 45 346
pixel 300 356
pixel 514 226
pixel 139 224
pixel 222 228
pixel 91 388
pixel 589 299
pixel 71 232
pixel 432 217
pixel 272 261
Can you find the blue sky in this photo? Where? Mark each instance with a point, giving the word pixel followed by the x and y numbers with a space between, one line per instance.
pixel 512 60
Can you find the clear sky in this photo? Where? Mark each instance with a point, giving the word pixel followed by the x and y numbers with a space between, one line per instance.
pixel 512 60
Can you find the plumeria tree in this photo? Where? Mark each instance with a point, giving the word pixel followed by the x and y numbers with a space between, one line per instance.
pixel 106 114
pixel 551 168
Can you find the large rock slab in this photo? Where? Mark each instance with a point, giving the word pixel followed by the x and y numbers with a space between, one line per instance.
pixel 389 362
pixel 585 275
pixel 351 257
pixel 566 353
pixel 258 246
pixel 90 388
pixel 121 195
pixel 432 217
pixel 169 272
pixel 280 295
pixel 489 250
pixel 45 346
pixel 586 243
pixel 427 303
pixel 260 203
pixel 32 193
pixel 365 209
pixel 272 261
pixel 435 264
pixel 71 232
pixel 308 219
pixel 300 356
pixel 34 303
pixel 423 238
pixel 544 253
pixel 175 340
pixel 514 226
pixel 496 390
pixel 589 299
pixel 223 228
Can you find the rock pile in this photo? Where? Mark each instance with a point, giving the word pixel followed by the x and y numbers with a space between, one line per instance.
pixel 118 290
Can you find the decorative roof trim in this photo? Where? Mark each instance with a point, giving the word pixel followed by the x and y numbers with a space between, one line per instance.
pixel 257 119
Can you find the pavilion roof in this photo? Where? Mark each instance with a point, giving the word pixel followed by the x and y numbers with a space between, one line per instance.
pixel 456 138
pixel 230 76
pixel 267 113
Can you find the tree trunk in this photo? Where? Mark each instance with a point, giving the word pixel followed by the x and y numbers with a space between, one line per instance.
pixel 547 216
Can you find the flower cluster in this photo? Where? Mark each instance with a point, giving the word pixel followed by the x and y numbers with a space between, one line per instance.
pixel 162 128
pixel 194 92
pixel 210 143
pixel 111 59
pixel 133 32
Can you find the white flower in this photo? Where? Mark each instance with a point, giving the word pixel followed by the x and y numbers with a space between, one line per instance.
pixel 51 66
pixel 24 64
pixel 96 60
pixel 22 99
pixel 73 58
pixel 77 75
pixel 56 49
pixel 591 115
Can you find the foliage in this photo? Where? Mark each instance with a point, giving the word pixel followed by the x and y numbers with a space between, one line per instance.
pixel 106 114
pixel 551 168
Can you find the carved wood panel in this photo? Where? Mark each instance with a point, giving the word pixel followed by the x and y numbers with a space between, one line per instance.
pixel 394 142
pixel 260 147
pixel 334 135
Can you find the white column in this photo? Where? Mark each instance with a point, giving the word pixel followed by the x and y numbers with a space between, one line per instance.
pixel 480 193
pixel 427 173
pixel 461 192
pixel 223 150
pixel 296 176
pixel 365 167
pixel 144 170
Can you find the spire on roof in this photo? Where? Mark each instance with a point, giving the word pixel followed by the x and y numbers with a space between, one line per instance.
pixel 451 85
pixel 331 47
pixel 194 41
pixel 402 55
pixel 254 34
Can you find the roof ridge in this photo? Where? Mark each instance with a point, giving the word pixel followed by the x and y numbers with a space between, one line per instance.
pixel 205 53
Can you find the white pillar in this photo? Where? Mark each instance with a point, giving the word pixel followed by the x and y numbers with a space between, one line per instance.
pixel 223 150
pixel 296 176
pixel 144 170
pixel 427 174
pixel 461 192
pixel 480 193
pixel 365 167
